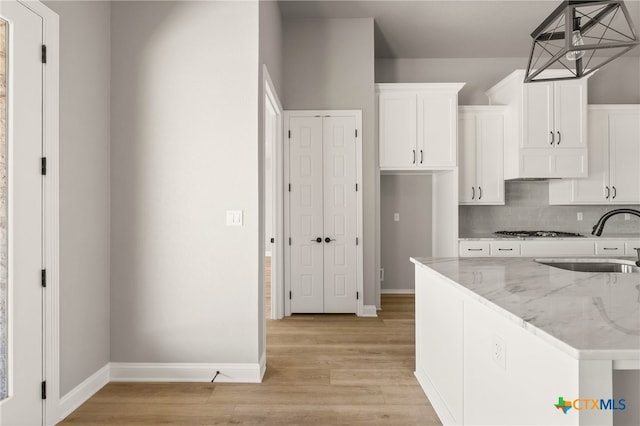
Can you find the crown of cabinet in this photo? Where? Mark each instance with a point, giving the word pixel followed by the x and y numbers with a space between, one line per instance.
pixel 546 126
pixel 417 125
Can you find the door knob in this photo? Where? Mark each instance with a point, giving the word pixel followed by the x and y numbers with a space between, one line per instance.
pixel 328 240
pixel 317 240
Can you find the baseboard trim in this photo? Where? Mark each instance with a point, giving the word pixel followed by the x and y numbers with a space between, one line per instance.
pixel 397 291
pixel 186 372
pixel 369 311
pixel 81 393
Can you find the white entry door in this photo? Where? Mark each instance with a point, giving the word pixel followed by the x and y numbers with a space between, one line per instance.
pixel 323 223
pixel 22 158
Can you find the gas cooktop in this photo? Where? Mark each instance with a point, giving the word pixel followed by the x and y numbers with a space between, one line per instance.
pixel 539 234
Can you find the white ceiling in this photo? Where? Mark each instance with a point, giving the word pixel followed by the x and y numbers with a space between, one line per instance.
pixel 444 29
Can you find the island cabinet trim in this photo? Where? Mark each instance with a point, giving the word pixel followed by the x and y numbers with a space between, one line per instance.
pixel 480 343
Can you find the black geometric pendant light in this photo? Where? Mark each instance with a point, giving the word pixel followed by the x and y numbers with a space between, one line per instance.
pixel 580 37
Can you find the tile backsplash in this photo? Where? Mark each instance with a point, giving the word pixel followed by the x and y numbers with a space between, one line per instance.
pixel 527 208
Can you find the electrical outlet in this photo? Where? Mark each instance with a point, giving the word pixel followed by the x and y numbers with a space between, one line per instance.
pixel 499 351
pixel 580 216
pixel 396 217
pixel 627 216
pixel 234 217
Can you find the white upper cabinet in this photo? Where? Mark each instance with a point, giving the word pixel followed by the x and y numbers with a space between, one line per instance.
pixel 417 125
pixel 480 141
pixel 546 127
pixel 614 146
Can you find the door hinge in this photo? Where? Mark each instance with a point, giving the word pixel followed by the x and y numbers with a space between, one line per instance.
pixel 289 295
pixel 289 240
pixel 44 390
pixel 43 165
pixel 356 187
pixel 289 132
pixel 43 278
pixel 273 240
pixel 356 133
pixel 357 295
pixel 44 53
pixel 356 240
pixel 289 187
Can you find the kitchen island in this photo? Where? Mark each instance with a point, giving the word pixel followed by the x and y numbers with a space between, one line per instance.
pixel 501 340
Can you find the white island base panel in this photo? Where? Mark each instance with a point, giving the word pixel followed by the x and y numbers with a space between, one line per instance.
pixel 478 366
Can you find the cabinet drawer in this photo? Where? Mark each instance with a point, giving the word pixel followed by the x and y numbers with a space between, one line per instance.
pixel 630 248
pixel 609 248
pixel 505 249
pixel 474 249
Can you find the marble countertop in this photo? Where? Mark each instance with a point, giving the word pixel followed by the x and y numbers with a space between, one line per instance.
pixel 586 237
pixel 587 315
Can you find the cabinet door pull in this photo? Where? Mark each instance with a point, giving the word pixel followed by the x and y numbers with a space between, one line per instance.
pixel 420 156
pixel 480 191
pixel 501 249
pixel 552 138
pixel 608 192
pixel 609 248
pixel 559 138
pixel 615 192
pixel 472 249
pixel 414 156
pixel 473 193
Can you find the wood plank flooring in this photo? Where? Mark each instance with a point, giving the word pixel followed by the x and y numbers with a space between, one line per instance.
pixel 321 370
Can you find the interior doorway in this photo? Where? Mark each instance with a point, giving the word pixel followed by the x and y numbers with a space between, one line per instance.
pixel 273 213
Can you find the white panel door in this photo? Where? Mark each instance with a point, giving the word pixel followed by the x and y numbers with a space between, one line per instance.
pixel 397 129
pixel 24 95
pixel 570 114
pixel 490 172
pixel 437 130
pixel 340 220
pixel 467 145
pixel 306 214
pixel 538 115
pixel 624 149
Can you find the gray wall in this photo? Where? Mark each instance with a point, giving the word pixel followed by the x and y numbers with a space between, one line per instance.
pixel 84 189
pixel 329 64
pixel 527 207
pixel 270 54
pixel 410 196
pixel 617 82
pixel 184 286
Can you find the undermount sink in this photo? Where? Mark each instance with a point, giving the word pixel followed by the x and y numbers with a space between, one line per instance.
pixel 593 265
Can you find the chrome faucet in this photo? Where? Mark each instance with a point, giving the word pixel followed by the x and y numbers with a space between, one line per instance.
pixel 599 226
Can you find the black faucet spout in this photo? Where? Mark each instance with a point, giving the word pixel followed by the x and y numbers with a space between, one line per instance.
pixel 599 226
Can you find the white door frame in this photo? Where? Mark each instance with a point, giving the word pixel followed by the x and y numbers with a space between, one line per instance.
pixel 277 249
pixel 357 114
pixel 50 214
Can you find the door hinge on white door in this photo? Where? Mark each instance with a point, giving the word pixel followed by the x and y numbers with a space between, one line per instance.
pixel 357 295
pixel 289 187
pixel 289 133
pixel 43 278
pixel 289 295
pixel 356 187
pixel 43 165
pixel 289 240
pixel 44 53
pixel 356 133
pixel 356 240
pixel 43 390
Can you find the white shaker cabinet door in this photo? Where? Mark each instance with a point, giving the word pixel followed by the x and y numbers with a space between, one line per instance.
pixel 437 129
pixel 490 180
pixel 397 127
pixel 570 103
pixel 538 128
pixel 624 155
pixel 467 171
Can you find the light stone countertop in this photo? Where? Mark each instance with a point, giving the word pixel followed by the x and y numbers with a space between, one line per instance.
pixel 587 315
pixel 586 237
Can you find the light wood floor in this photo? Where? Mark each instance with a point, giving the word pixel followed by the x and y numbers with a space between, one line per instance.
pixel 321 370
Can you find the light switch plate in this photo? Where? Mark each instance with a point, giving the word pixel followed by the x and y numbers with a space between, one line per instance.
pixel 234 217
